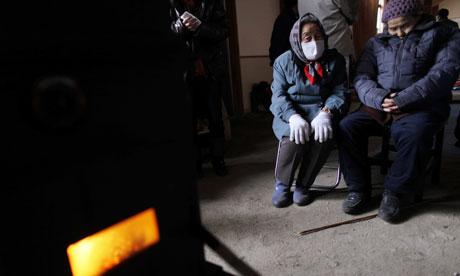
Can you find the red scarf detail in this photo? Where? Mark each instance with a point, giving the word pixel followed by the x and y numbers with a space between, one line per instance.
pixel 313 71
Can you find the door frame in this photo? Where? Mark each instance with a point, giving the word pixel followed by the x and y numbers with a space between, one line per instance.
pixel 234 56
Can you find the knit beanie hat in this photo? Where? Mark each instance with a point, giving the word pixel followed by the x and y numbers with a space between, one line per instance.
pixel 398 8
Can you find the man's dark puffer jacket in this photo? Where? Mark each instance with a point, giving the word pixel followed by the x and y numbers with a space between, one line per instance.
pixel 421 68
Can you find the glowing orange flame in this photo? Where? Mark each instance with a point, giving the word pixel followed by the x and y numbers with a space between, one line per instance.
pixel 98 253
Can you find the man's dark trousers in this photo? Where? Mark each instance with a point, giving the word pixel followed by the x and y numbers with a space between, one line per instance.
pixel 207 103
pixel 457 128
pixel 413 137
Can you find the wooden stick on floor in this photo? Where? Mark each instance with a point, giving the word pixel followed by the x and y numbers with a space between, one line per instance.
pixel 447 198
pixel 314 230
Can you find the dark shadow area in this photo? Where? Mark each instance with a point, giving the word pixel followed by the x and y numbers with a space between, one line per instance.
pixel 214 187
pixel 434 202
pixel 85 89
pixel 251 133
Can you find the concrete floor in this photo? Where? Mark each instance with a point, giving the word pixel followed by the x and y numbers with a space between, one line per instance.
pixel 238 210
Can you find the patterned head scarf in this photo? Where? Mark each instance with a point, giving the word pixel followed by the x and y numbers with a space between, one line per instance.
pixel 296 40
pixel 313 71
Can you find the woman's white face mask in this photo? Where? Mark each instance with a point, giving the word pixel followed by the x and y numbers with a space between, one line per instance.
pixel 313 50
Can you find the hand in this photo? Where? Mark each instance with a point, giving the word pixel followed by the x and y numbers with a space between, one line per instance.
pixel 300 129
pixel 190 21
pixel 389 105
pixel 178 25
pixel 322 126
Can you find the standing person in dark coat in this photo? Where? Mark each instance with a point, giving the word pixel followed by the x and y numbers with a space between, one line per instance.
pixel 404 80
pixel 443 17
pixel 457 131
pixel 203 25
pixel 279 42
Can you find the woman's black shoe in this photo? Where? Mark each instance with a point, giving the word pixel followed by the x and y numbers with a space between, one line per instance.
pixel 389 209
pixel 219 167
pixel 355 203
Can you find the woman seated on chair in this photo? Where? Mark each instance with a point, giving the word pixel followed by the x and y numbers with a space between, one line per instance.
pixel 309 86
pixel 404 80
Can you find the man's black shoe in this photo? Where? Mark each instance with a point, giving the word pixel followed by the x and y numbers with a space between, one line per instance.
pixel 219 167
pixel 355 203
pixel 389 209
pixel 199 171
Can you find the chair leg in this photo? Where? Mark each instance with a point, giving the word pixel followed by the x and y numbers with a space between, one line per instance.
pixel 437 155
pixel 385 151
pixel 419 195
pixel 436 177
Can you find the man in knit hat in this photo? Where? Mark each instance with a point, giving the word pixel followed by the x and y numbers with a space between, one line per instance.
pixel 404 80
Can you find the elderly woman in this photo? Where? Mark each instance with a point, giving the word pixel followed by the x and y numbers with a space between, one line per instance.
pixel 309 86
pixel 404 81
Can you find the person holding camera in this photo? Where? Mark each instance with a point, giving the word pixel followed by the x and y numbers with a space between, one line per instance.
pixel 202 25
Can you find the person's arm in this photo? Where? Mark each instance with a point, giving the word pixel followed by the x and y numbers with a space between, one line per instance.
pixel 282 106
pixel 349 9
pixel 369 91
pixel 336 102
pixel 437 83
pixel 216 29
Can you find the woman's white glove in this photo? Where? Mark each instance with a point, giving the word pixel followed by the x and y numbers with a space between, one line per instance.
pixel 322 126
pixel 300 129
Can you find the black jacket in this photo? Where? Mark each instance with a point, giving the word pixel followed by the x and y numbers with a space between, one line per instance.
pixel 208 42
pixel 421 68
pixel 450 23
pixel 279 42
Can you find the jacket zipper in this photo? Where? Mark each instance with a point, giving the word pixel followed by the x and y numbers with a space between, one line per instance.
pixel 397 64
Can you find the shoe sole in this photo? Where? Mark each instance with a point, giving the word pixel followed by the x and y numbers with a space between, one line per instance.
pixel 304 203
pixel 353 211
pixel 390 219
pixel 359 209
pixel 284 205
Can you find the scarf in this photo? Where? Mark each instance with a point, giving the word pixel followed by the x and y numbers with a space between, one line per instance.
pixel 313 71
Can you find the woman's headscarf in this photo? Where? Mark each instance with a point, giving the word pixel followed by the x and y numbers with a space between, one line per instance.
pixel 313 70
pixel 296 40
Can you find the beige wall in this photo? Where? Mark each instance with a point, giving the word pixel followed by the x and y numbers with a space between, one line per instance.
pixel 453 6
pixel 255 20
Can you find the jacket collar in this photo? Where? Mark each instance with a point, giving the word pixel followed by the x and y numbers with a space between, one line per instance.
pixel 426 22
